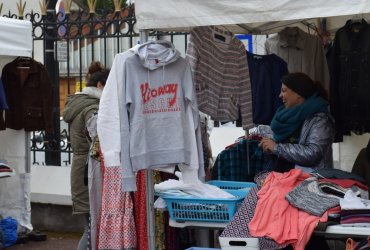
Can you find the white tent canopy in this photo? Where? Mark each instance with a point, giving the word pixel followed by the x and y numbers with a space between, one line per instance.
pixel 15 40
pixel 241 16
pixel 16 37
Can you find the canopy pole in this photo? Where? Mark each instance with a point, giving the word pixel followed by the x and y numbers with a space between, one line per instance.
pixel 150 218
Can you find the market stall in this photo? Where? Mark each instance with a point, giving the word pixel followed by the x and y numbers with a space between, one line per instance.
pixel 16 41
pixel 252 17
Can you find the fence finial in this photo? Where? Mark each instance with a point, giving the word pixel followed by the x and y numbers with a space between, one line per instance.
pixel 43 6
pixel 68 6
pixel 21 8
pixel 92 5
pixel 117 5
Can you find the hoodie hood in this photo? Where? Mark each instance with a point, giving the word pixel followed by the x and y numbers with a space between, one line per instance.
pixel 75 104
pixel 156 54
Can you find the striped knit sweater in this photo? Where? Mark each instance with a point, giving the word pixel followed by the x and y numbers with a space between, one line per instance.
pixel 221 76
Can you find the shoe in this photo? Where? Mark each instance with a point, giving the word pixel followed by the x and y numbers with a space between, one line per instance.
pixel 37 236
pixel 22 238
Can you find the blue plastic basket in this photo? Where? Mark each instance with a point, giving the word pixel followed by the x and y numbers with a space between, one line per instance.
pixel 191 208
pixel 228 185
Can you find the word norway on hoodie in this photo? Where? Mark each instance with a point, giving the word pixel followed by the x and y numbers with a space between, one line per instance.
pixel 154 100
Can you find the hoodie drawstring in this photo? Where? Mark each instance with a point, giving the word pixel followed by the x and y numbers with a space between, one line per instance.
pixel 148 76
pixel 163 75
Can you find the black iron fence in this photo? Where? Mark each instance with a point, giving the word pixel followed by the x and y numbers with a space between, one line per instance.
pixel 68 41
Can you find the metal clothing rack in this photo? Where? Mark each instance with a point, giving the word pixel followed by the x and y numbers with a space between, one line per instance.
pixel 144 37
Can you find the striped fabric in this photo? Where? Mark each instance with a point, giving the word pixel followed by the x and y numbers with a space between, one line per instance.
pixel 221 76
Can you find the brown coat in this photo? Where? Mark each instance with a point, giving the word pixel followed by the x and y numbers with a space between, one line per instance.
pixel 29 94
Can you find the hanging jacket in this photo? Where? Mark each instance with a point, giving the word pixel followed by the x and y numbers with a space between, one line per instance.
pixel 350 81
pixel 302 52
pixel 313 149
pixel 29 95
pixel 221 76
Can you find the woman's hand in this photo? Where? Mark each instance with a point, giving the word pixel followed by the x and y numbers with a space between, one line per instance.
pixel 268 145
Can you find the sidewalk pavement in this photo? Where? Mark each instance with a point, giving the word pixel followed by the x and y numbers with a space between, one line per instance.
pixel 54 241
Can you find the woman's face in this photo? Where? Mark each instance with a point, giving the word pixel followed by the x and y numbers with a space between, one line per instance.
pixel 289 97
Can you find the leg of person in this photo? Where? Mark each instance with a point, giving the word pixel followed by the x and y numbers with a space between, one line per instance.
pixel 84 243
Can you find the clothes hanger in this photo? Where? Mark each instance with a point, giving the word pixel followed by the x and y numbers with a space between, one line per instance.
pixel 23 62
pixel 259 45
pixel 357 19
pixel 356 23
pixel 24 58
pixel 221 35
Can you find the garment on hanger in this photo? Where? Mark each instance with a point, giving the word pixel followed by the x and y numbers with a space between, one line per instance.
pixel 206 144
pixel 265 72
pixel 3 103
pixel 240 161
pixel 2 121
pixel 148 113
pixel 302 52
pixel 95 181
pixel 221 76
pixel 29 94
pixel 117 223
pixel 140 212
pixel 350 80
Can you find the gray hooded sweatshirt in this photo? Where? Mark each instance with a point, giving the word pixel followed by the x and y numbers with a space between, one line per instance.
pixel 158 112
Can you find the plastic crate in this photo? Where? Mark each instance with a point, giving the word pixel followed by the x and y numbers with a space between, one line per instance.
pixel 227 185
pixel 202 248
pixel 230 243
pixel 190 208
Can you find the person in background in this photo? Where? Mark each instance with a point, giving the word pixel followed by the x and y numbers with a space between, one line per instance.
pixel 78 109
pixel 361 166
pixel 303 129
pixel 95 66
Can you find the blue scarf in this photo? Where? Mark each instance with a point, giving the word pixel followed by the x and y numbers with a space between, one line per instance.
pixel 287 120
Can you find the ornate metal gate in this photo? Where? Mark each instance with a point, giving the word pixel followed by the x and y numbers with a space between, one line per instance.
pixel 69 40
pixel 66 41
